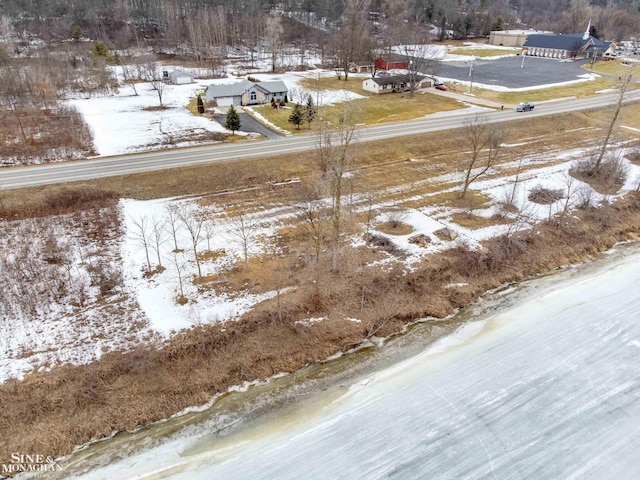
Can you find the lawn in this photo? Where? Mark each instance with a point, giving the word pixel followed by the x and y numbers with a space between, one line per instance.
pixel 614 68
pixel 483 52
pixel 582 89
pixel 377 109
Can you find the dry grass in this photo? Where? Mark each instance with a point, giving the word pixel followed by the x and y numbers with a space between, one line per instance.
pixel 613 68
pixel 469 220
pixel 394 228
pixel 483 52
pixel 52 412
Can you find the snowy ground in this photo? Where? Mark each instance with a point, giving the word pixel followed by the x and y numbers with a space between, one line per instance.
pixel 545 388
pixel 52 334
pixel 152 308
pixel 126 123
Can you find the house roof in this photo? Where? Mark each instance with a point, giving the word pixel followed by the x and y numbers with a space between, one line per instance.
pixel 362 63
pixel 570 42
pixel 395 79
pixel 231 89
pixel 238 88
pixel 277 86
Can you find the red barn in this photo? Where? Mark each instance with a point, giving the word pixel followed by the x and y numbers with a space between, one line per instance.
pixel 392 62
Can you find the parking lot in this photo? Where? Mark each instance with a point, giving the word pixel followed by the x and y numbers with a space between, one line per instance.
pixel 507 72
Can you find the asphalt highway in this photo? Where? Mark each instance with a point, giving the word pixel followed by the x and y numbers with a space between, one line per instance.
pixel 18 177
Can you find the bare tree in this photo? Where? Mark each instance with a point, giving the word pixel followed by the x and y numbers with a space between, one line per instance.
pixel 141 233
pixel 313 210
pixel 335 155
pixel 351 43
pixel 154 77
pixel 485 141
pixel 193 224
pixel 421 60
pixel 273 36
pixel 173 225
pixel 622 90
pixel 209 230
pixel 244 229
pixel 179 266
pixel 157 235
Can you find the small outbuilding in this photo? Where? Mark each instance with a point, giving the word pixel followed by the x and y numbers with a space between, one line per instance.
pixel 361 66
pixel 180 77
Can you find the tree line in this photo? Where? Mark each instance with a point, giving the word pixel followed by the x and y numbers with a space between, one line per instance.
pixel 204 28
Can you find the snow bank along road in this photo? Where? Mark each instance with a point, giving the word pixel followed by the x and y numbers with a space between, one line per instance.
pixel 546 388
pixel 144 162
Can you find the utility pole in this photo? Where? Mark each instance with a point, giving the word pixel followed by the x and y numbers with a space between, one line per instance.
pixel 472 68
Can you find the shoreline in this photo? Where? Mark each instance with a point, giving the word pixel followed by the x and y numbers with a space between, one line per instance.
pixel 70 405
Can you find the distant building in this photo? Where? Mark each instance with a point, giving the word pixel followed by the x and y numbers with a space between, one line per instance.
pixel 362 66
pixel 567 46
pixel 180 77
pixel 392 62
pixel 512 38
pixel 246 92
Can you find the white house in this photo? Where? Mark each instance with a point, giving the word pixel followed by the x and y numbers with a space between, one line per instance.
pixel 246 92
pixel 393 83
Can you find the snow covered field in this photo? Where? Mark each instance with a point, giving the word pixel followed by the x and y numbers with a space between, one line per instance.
pixel 55 335
pixel 546 388
pixel 124 123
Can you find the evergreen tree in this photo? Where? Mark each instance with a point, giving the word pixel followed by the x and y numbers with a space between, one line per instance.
pixel 310 111
pixel 200 105
pixel 297 116
pixel 233 120
pixel 498 24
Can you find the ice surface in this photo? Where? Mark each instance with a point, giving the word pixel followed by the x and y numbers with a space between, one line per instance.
pixel 546 389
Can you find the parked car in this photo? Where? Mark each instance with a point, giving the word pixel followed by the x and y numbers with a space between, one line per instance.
pixel 440 86
pixel 524 107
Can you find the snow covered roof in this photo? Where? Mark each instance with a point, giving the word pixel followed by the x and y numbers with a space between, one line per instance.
pixel 179 73
pixel 238 88
pixel 277 86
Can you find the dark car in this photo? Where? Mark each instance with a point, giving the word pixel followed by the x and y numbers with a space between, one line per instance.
pixel 440 86
pixel 524 107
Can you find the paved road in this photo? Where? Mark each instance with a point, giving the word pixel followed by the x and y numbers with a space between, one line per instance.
pixel 507 71
pixel 145 162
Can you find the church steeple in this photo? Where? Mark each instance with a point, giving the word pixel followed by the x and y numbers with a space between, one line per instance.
pixel 587 32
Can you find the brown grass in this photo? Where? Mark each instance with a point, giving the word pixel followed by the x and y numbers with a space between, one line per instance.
pixel 394 228
pixel 51 412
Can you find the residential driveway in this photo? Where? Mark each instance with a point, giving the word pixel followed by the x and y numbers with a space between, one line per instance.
pixel 249 124
pixel 507 72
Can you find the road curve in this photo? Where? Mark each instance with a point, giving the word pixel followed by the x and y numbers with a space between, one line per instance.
pixel 19 177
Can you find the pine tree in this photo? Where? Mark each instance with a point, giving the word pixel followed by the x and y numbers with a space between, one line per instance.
pixel 310 111
pixel 233 120
pixel 297 116
pixel 200 105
